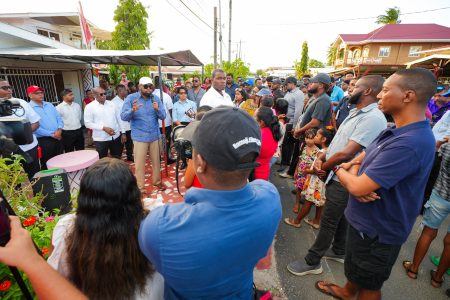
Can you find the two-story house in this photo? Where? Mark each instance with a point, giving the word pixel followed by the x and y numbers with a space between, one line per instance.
pixel 46 30
pixel 388 48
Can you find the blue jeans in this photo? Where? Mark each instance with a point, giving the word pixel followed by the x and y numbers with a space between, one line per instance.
pixel 436 211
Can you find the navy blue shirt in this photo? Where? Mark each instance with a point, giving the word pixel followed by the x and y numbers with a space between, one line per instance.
pixel 231 90
pixel 208 246
pixel 400 161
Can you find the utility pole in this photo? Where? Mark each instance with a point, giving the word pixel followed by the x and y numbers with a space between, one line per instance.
pixel 220 32
pixel 229 35
pixel 215 37
pixel 240 48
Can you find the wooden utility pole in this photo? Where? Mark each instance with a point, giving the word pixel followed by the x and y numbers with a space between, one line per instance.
pixel 215 37
pixel 220 33
pixel 229 35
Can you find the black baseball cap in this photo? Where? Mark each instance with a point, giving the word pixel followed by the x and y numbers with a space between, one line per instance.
pixel 291 79
pixel 224 136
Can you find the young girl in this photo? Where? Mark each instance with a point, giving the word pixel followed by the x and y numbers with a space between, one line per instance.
pixel 305 162
pixel 314 188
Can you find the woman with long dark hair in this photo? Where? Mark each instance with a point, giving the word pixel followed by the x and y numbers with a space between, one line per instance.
pixel 270 135
pixel 97 248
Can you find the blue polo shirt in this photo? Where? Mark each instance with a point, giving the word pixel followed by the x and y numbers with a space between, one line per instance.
pixel 50 120
pixel 208 246
pixel 337 94
pixel 144 121
pixel 400 161
pixel 231 90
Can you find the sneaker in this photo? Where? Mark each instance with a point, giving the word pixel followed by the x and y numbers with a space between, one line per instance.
pixel 281 169
pixel 301 268
pixel 331 255
pixel 286 175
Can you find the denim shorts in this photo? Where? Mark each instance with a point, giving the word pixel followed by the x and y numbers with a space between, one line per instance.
pixel 436 211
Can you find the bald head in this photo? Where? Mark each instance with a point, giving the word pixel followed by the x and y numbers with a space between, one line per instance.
pixel 99 94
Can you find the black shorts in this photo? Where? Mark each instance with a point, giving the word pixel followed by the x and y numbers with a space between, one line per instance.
pixel 368 263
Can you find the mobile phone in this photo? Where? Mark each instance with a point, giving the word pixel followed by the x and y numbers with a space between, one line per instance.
pixel 5 227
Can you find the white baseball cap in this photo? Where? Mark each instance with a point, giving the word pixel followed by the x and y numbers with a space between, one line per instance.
pixel 145 80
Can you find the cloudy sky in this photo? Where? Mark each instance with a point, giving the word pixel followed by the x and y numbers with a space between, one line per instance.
pixel 271 32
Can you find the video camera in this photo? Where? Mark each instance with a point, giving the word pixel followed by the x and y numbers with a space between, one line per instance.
pixel 181 148
pixel 14 129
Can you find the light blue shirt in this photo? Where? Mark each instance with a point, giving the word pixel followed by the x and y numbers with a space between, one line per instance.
pixel 337 94
pixel 201 261
pixel 180 108
pixel 442 128
pixel 50 119
pixel 144 121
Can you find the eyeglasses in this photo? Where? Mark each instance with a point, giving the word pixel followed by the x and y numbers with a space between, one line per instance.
pixel 181 93
pixel 195 80
pixel 6 87
pixel 102 94
pixel 146 86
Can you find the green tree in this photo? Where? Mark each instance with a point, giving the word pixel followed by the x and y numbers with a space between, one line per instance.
pixel 331 55
pixel 130 33
pixel 208 70
pixel 261 72
pixel 301 67
pixel 236 67
pixel 391 17
pixel 314 63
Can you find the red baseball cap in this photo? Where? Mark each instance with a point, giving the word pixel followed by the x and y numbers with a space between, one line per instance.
pixel 33 89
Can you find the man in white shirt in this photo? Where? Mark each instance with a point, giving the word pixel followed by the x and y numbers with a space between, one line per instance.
pixel 122 93
pixel 70 112
pixel 216 95
pixel 107 130
pixel 31 165
pixel 168 105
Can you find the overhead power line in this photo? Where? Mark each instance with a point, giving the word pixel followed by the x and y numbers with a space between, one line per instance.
pixel 351 19
pixel 187 18
pixel 196 14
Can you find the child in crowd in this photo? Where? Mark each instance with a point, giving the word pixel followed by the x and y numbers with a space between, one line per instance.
pixel 281 107
pixel 305 162
pixel 313 189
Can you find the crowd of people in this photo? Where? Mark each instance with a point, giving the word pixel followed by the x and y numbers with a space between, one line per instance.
pixel 368 153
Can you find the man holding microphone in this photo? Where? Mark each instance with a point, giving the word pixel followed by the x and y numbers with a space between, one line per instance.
pixel 142 110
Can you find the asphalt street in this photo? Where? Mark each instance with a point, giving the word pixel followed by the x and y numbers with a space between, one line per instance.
pixel 293 243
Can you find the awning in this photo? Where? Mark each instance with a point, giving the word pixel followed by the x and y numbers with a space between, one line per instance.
pixel 116 57
pixel 442 59
pixel 341 71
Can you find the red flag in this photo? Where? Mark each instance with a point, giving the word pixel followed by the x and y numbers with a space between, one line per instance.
pixel 85 28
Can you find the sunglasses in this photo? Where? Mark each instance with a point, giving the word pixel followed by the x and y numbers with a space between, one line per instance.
pixel 6 87
pixel 146 86
pixel 195 80
pixel 102 94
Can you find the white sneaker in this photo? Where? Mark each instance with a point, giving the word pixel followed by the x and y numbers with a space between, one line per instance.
pixel 286 175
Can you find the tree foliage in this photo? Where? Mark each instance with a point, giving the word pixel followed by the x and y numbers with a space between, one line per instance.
pixel 331 55
pixel 130 33
pixel 391 17
pixel 314 63
pixel 236 67
pixel 208 69
pixel 301 67
pixel 261 72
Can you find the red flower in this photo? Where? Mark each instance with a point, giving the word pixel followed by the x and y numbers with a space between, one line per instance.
pixel 44 251
pixel 29 221
pixel 5 285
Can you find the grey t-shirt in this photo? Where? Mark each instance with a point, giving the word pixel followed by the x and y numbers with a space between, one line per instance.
pixel 319 109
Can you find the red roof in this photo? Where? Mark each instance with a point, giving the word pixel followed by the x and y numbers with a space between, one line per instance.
pixel 402 32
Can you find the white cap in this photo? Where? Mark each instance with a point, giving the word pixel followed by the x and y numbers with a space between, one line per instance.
pixel 145 80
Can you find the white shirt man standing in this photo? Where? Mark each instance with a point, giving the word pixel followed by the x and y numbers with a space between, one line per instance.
pixel 122 93
pixel 103 118
pixel 216 95
pixel 70 112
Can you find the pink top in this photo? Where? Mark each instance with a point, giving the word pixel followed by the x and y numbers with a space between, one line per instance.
pixel 268 148
pixel 73 161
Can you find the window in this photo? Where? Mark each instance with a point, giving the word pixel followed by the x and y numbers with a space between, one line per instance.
pixel 365 52
pixel 49 34
pixel 384 51
pixel 413 51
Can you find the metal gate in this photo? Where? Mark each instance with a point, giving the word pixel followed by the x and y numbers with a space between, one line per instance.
pixel 20 79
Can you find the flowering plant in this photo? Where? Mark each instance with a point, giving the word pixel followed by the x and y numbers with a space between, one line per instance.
pixel 19 194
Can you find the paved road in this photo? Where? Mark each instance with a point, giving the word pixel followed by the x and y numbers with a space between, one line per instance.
pixel 293 243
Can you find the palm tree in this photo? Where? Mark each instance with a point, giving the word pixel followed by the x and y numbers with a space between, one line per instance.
pixel 391 16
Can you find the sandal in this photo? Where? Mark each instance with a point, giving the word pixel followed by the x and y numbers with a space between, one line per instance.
pixel 313 225
pixel 407 266
pixel 327 290
pixel 160 187
pixel 435 283
pixel 291 222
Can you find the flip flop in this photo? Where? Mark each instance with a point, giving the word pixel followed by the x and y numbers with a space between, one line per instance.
pixel 407 266
pixel 435 283
pixel 327 291
pixel 290 222
pixel 309 222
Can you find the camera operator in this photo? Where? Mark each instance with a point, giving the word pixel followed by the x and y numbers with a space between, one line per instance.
pixel 31 165
pixel 49 133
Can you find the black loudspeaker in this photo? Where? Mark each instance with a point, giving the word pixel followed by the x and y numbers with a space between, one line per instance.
pixel 54 185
